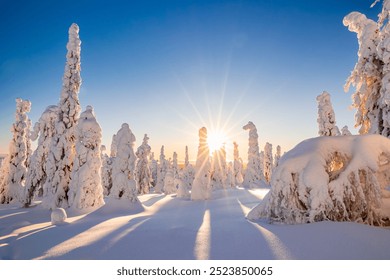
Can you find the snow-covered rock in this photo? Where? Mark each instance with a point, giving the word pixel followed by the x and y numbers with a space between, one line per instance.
pixel 330 178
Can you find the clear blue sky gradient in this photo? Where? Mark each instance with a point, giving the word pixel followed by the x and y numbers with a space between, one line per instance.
pixel 170 67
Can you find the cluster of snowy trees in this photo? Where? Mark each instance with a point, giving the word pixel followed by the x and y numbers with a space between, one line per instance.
pixel 342 178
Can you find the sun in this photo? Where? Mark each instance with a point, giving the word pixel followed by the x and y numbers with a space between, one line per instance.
pixel 216 140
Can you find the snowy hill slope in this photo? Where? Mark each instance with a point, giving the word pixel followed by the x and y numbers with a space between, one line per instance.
pixel 173 228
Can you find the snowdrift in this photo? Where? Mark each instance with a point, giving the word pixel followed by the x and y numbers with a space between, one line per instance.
pixel 340 178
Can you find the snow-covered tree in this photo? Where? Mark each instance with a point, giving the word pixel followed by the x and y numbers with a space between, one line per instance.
pixel 230 179
pixel 106 171
pixel 37 172
pixel 182 186
pixel 175 166
pixel 62 149
pixel 237 166
pixel 123 183
pixel 85 189
pixel 366 76
pixel 144 175
pixel 326 117
pixel 113 147
pixel 330 178
pixel 14 169
pixel 268 162
pixel 218 170
pixel 345 131
pixel 254 173
pixel 188 173
pixel 153 169
pixel 162 169
pixel 169 181
pixel 278 155
pixel 201 189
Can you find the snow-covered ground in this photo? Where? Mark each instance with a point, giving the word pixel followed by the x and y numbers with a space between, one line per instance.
pixel 175 228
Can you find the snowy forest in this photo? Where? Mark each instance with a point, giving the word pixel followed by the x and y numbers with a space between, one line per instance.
pixel 335 176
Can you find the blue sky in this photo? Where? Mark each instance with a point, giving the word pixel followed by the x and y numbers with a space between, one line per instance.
pixel 170 67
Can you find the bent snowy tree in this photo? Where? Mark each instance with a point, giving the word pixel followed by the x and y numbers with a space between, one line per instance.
pixel 330 178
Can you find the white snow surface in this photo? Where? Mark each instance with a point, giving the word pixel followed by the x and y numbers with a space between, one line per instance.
pixel 172 228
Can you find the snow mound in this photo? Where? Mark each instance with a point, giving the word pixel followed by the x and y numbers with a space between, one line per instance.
pixel 330 178
pixel 58 216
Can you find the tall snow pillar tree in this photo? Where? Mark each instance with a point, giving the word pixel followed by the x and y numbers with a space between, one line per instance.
pixel 86 189
pixel 254 174
pixel 201 184
pixel 62 151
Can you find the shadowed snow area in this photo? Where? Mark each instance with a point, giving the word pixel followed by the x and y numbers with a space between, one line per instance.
pixel 174 228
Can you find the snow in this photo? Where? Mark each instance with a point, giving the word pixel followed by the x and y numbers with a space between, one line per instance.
pixel 58 216
pixel 330 178
pixel 172 228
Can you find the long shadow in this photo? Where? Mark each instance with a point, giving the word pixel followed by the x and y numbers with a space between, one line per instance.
pixel 232 236
pixel 30 246
pixel 153 200
pixel 167 234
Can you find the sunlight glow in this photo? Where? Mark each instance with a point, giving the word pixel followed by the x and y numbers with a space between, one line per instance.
pixel 216 140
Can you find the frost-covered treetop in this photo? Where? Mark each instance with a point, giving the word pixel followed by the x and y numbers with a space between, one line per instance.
pixel 22 106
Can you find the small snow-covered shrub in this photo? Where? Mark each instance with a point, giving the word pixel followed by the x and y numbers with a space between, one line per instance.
pixel 330 178
pixel 58 216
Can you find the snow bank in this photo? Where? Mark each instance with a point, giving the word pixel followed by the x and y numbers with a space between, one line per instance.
pixel 330 178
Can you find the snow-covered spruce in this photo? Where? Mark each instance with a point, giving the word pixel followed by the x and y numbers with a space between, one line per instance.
pixel 182 186
pixel 201 189
pixel 85 189
pixel 162 169
pixel 37 172
pixel 330 178
pixel 62 148
pixel 14 167
pixel 230 179
pixel 169 181
pixel 218 170
pixel 143 173
pixel 326 118
pixel 345 131
pixel 254 173
pixel 277 156
pixel 237 166
pixel 268 162
pixel 123 183
pixel 106 171
pixel 153 169
pixel 187 175
pixel 366 76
